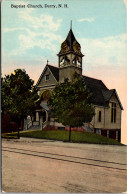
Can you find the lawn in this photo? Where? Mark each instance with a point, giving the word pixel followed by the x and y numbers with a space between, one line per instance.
pixel 81 137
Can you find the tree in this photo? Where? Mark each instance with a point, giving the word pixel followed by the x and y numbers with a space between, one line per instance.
pixel 18 95
pixel 71 103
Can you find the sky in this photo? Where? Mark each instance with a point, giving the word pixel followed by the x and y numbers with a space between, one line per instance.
pixel 31 36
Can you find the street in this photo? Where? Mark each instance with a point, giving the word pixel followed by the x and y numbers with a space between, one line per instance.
pixel 45 166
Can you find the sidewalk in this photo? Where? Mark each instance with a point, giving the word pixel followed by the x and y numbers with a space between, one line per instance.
pixel 112 148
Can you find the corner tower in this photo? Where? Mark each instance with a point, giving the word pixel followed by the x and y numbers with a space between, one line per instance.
pixel 70 57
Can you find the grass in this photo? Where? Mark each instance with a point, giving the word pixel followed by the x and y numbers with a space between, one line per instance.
pixel 80 137
pixel 9 136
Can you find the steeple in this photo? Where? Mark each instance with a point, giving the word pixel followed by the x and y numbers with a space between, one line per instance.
pixel 70 44
pixel 70 39
pixel 71 25
pixel 70 55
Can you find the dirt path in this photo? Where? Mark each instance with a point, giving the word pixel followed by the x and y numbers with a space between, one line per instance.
pixel 41 166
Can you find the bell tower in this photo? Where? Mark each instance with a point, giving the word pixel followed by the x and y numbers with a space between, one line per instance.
pixel 70 57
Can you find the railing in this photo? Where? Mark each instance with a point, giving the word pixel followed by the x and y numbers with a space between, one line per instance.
pixel 29 125
pixel 91 126
pixel 44 124
pixel 88 127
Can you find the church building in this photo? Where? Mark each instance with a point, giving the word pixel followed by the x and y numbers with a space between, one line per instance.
pixel 108 108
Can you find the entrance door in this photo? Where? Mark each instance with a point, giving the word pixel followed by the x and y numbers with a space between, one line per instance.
pixel 44 116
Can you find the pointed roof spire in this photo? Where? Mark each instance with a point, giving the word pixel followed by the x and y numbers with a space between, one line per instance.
pixel 70 38
pixel 47 62
pixel 71 25
pixel 70 41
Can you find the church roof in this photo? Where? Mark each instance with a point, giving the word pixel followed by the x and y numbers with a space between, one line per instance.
pixel 96 86
pixel 108 94
pixel 44 106
pixel 55 71
pixel 101 94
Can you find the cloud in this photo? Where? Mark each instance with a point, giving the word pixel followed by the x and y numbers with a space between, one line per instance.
pixel 34 31
pixel 12 29
pixel 44 21
pixel 32 39
pixel 105 51
pixel 86 20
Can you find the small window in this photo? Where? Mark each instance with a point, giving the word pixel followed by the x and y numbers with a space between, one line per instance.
pixel 108 133
pixel 47 77
pixel 99 116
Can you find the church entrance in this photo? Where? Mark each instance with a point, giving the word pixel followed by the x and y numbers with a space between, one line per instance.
pixel 44 116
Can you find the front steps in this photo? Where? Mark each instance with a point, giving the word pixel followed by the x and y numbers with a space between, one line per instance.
pixel 34 127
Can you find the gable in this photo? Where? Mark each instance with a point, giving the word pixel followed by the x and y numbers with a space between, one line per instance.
pixel 107 94
pixel 43 81
pixel 114 98
pixel 55 71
